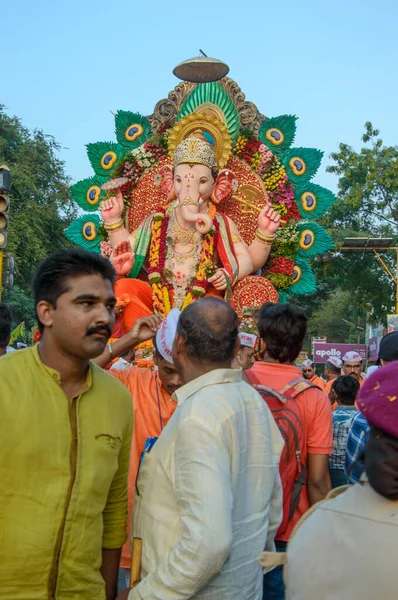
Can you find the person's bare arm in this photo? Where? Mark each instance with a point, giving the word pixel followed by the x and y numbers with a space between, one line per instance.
pixel 143 329
pixel 110 570
pixel 318 483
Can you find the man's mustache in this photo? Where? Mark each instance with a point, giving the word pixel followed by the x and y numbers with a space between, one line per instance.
pixel 100 329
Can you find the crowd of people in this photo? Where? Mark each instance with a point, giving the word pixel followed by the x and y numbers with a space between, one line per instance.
pixel 236 474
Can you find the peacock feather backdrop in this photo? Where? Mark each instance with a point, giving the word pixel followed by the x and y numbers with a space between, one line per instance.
pixel 266 165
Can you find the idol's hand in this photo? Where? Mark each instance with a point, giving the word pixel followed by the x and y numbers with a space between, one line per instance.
pixel 268 221
pixel 219 280
pixel 112 208
pixel 122 258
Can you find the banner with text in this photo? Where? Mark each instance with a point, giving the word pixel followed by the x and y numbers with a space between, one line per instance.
pixel 324 351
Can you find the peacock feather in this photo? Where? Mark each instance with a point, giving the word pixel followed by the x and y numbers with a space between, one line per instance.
pixel 313 240
pixel 278 133
pixel 103 156
pixel 304 281
pixel 212 98
pixel 301 164
pixel 87 192
pixel 84 231
pixel 132 129
pixel 283 297
pixel 313 200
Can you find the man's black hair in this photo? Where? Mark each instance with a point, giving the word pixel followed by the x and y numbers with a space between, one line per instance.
pixel 282 327
pixel 346 388
pixel 51 278
pixel 209 328
pixel 331 367
pixel 5 325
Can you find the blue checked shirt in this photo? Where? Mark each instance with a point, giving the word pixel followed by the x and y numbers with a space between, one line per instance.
pixel 342 418
pixel 355 450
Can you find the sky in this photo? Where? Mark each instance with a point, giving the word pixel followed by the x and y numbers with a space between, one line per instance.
pixel 66 66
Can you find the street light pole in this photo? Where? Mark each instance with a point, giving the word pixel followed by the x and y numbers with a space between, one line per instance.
pixel 375 245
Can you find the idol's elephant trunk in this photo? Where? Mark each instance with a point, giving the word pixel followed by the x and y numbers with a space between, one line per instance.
pixel 190 213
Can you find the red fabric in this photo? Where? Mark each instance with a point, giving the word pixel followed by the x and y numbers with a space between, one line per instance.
pixel 292 470
pixel 222 253
pixel 316 417
pixel 140 294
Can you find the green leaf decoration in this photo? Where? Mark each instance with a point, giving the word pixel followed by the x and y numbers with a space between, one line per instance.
pixel 207 94
pixel 304 281
pixel 84 231
pixel 313 240
pixel 313 200
pixel 104 156
pixel 301 164
pixel 87 193
pixel 278 133
pixel 132 129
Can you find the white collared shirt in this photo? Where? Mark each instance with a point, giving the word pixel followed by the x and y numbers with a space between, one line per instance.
pixel 209 495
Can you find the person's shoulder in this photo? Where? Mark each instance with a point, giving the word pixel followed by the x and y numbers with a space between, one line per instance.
pixel 315 396
pixel 15 361
pixel 359 421
pixel 109 384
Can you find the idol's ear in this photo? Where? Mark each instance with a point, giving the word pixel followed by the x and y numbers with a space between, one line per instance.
pixel 166 183
pixel 224 185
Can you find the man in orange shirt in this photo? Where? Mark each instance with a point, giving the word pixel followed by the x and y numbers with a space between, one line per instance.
pixel 282 328
pixel 331 372
pixel 308 371
pixel 151 393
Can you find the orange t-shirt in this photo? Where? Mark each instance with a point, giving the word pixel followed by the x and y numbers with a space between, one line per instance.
pixel 316 417
pixel 318 381
pixel 328 387
pixel 153 408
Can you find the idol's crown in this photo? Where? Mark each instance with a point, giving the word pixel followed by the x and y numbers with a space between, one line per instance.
pixel 194 151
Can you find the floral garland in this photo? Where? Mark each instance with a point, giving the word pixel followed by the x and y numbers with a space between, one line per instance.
pixel 157 262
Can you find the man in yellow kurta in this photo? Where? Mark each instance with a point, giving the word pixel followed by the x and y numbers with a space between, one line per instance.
pixel 65 433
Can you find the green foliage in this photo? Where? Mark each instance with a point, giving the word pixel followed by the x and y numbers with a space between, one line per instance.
pixel 21 305
pixel 332 319
pixel 40 204
pixel 354 284
pixel 368 182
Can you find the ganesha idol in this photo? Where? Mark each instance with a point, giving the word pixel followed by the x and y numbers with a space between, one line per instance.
pixel 206 196
pixel 191 249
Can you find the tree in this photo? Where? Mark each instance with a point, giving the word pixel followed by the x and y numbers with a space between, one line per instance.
pixel 352 285
pixel 40 204
pixel 368 183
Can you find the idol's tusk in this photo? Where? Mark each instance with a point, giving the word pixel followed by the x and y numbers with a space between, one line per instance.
pixel 250 205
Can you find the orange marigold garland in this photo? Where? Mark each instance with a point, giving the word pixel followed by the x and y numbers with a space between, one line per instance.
pixel 157 261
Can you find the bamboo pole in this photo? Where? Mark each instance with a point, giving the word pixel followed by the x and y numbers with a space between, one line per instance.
pixel 136 552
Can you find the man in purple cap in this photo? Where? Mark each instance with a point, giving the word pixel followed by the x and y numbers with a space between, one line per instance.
pixel 347 547
pixel 354 458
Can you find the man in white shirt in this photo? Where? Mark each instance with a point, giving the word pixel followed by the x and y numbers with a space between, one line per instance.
pixel 209 495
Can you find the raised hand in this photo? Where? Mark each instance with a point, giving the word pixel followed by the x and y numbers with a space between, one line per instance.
pixel 145 328
pixel 122 258
pixel 219 280
pixel 268 220
pixel 112 208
